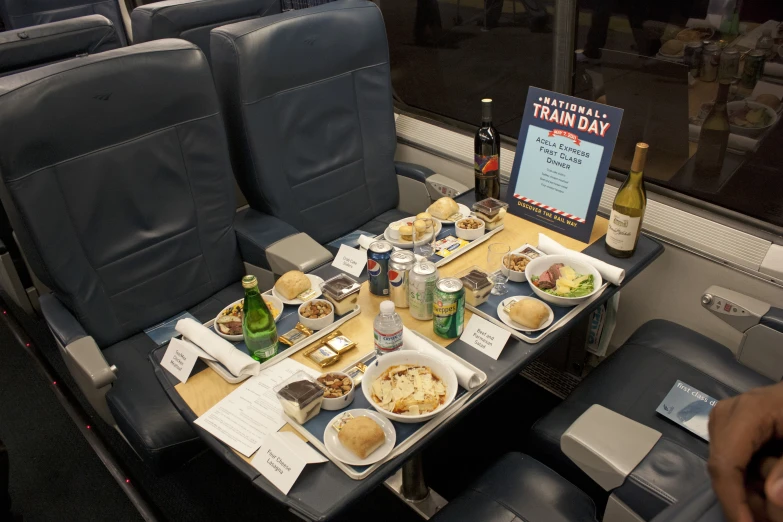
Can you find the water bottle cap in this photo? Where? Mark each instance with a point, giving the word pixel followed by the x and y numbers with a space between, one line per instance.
pixel 387 307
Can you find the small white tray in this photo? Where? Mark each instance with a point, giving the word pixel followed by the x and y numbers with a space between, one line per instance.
pixel 407 443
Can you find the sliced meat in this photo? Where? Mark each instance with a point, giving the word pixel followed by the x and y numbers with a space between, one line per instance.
pixel 545 282
pixel 554 271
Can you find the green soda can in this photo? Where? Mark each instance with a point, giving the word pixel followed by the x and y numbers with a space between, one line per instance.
pixel 448 308
pixel 258 325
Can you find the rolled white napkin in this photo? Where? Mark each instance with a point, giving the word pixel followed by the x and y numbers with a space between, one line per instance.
pixel 466 377
pixel 237 362
pixel 773 69
pixel 366 241
pixel 611 273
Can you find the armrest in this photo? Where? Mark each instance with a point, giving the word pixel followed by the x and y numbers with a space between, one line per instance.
pixel 60 320
pixel 773 319
pixel 78 346
pixel 413 171
pixel 607 446
pixel 412 184
pixel 273 244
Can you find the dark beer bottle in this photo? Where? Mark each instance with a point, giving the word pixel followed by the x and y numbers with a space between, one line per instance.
pixel 486 164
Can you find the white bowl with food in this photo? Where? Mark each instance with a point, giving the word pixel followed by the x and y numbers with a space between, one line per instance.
pixel 470 228
pixel 339 390
pixel 228 323
pixel 750 118
pixel 436 379
pixel 563 280
pixel 514 266
pixel 316 314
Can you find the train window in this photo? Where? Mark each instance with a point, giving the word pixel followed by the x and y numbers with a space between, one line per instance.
pixel 692 80
pixel 446 55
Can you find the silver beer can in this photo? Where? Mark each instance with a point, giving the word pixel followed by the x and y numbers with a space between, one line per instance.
pixel 400 265
pixel 421 288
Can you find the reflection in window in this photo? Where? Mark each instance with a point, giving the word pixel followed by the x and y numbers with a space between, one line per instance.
pixel 447 55
pixel 702 83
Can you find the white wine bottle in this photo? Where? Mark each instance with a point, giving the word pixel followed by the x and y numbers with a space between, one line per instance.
pixel 625 222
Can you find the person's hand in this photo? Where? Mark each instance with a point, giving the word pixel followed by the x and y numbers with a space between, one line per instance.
pixel 749 490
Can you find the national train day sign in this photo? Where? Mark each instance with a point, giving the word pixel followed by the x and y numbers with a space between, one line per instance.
pixel 563 153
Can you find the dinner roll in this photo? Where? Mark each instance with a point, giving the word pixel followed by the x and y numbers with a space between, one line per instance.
pixel 427 218
pixel 530 313
pixel 292 283
pixel 406 232
pixel 362 436
pixel 443 208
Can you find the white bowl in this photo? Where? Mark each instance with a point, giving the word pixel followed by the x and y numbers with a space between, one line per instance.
pixel 316 324
pixel 441 370
pixel 472 233
pixel 539 265
pixel 338 403
pixel 750 131
pixel 513 275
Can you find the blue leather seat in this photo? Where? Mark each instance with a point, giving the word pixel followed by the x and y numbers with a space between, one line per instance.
pixel 192 20
pixel 632 382
pixel 116 175
pixel 518 488
pixel 308 104
pixel 17 14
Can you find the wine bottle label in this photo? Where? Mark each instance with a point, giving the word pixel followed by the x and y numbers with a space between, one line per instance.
pixel 622 231
pixel 486 164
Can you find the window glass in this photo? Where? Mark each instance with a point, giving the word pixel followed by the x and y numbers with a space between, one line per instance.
pixel 447 55
pixel 665 63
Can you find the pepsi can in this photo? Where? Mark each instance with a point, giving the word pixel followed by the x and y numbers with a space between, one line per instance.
pixel 400 265
pixel 378 267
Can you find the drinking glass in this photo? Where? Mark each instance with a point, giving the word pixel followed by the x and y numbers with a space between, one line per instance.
pixel 425 248
pixel 495 255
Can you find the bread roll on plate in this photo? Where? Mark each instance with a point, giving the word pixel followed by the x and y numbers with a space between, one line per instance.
pixel 443 208
pixel 361 436
pixel 292 283
pixel 530 313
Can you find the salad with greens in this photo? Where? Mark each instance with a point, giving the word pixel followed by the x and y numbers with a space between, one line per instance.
pixel 563 281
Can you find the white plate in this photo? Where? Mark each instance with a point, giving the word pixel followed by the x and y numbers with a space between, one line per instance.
pixel 236 338
pixel 464 210
pixel 315 282
pixel 399 243
pixel 338 451
pixel 516 326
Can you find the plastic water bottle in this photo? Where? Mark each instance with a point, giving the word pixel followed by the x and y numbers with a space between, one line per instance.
pixel 388 330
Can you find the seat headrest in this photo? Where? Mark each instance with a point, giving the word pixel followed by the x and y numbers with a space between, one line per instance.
pixel 47 43
pixel 173 17
pixel 26 13
pixel 100 100
pixel 300 47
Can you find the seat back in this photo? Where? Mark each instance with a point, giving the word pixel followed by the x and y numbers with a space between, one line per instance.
pixel 308 104
pixel 115 172
pixel 192 20
pixel 47 43
pixel 25 13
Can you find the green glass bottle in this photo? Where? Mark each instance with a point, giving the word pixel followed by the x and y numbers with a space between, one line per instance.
pixel 258 325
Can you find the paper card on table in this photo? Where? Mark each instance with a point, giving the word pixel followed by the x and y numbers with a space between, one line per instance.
pixel 350 260
pixel 252 411
pixel 485 337
pixel 179 359
pixel 565 146
pixel 278 463
pixel 195 349
pixel 298 446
